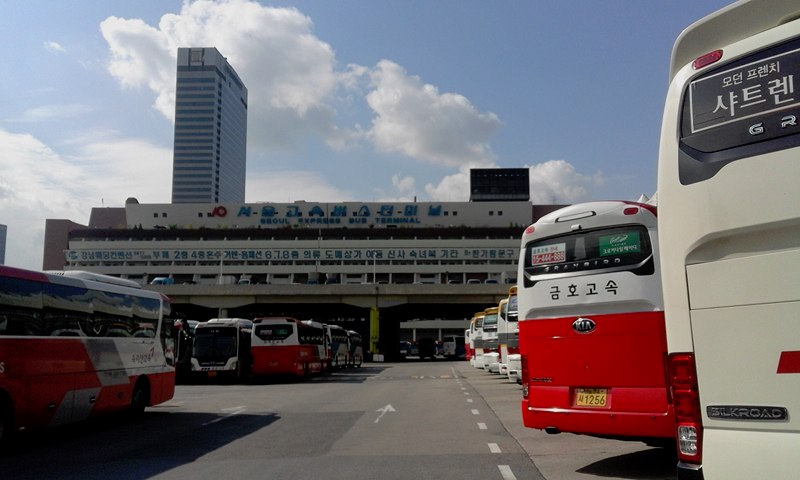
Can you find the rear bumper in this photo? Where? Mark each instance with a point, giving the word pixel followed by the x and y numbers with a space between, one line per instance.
pixel 601 423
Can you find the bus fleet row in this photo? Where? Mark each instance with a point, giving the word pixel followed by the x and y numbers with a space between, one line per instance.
pixel 239 348
pixel 492 339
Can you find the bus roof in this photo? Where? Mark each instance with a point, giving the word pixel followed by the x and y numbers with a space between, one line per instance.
pixel 491 311
pixel 730 24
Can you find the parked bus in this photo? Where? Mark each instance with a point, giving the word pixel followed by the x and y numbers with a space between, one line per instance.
pixel 338 347
pixel 730 230
pixel 493 365
pixel 453 346
pixel 468 344
pixel 508 330
pixel 323 349
pixel 476 339
pixel 74 345
pixel 592 333
pixel 285 346
pixel 489 344
pixel 356 347
pixel 222 348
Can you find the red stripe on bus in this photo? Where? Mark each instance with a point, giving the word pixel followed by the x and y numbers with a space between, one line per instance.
pixel 789 362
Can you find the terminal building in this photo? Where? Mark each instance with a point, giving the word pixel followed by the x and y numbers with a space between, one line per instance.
pixel 342 262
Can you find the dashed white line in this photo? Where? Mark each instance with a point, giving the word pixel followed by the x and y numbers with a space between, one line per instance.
pixel 481 426
pixel 469 400
pixel 494 448
pixel 475 411
pixel 506 472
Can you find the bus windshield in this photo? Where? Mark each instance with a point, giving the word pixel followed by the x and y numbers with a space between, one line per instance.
pixel 216 344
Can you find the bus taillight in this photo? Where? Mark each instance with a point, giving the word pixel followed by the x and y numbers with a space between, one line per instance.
pixel 524 362
pixel 707 59
pixel 685 395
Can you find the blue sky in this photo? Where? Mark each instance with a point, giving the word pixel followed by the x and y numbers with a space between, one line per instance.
pixel 351 100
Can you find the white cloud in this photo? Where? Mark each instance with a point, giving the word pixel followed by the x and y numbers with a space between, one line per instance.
pixel 293 83
pixel 557 181
pixel 293 186
pixel 54 47
pixel 551 182
pixel 288 71
pixel 452 188
pixel 49 112
pixel 416 120
pixel 403 184
pixel 36 183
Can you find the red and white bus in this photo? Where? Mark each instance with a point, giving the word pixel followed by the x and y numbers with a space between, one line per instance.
pixel 323 347
pixel 222 348
pixel 286 346
pixel 468 342
pixel 592 333
pixel 76 344
pixel 729 219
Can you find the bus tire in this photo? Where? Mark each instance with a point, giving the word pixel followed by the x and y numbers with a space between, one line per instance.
pixel 6 419
pixel 140 398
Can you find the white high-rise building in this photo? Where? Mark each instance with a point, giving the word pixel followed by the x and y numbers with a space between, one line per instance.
pixel 209 156
pixel 3 233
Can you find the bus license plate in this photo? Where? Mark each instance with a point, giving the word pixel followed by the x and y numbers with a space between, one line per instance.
pixel 591 397
pixel 212 374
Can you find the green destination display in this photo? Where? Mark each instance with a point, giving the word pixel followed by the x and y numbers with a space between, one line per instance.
pixel 620 244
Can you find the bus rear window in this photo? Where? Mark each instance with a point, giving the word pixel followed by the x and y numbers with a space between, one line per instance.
pixel 273 332
pixel 617 248
pixel 744 108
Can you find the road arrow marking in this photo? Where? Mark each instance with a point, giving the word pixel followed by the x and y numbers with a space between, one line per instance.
pixel 383 410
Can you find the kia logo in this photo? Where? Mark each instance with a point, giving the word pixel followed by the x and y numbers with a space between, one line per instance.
pixel 584 325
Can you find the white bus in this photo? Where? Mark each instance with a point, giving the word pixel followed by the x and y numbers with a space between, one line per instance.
pixel 592 334
pixel 222 348
pixel 476 340
pixel 729 217
pixel 508 330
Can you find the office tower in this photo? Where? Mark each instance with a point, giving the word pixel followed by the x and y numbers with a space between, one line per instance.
pixel 208 164
pixel 3 233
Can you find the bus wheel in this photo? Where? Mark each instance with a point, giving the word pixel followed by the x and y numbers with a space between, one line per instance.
pixel 140 397
pixel 5 420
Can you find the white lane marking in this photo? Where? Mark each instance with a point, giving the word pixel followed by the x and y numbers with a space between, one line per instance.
pixel 466 393
pixel 475 411
pixel 463 388
pixel 383 410
pixel 481 426
pixel 469 400
pixel 229 412
pixel 506 472
pixel 494 448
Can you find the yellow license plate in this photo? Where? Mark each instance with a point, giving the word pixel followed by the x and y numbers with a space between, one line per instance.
pixel 591 397
pixel 212 374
